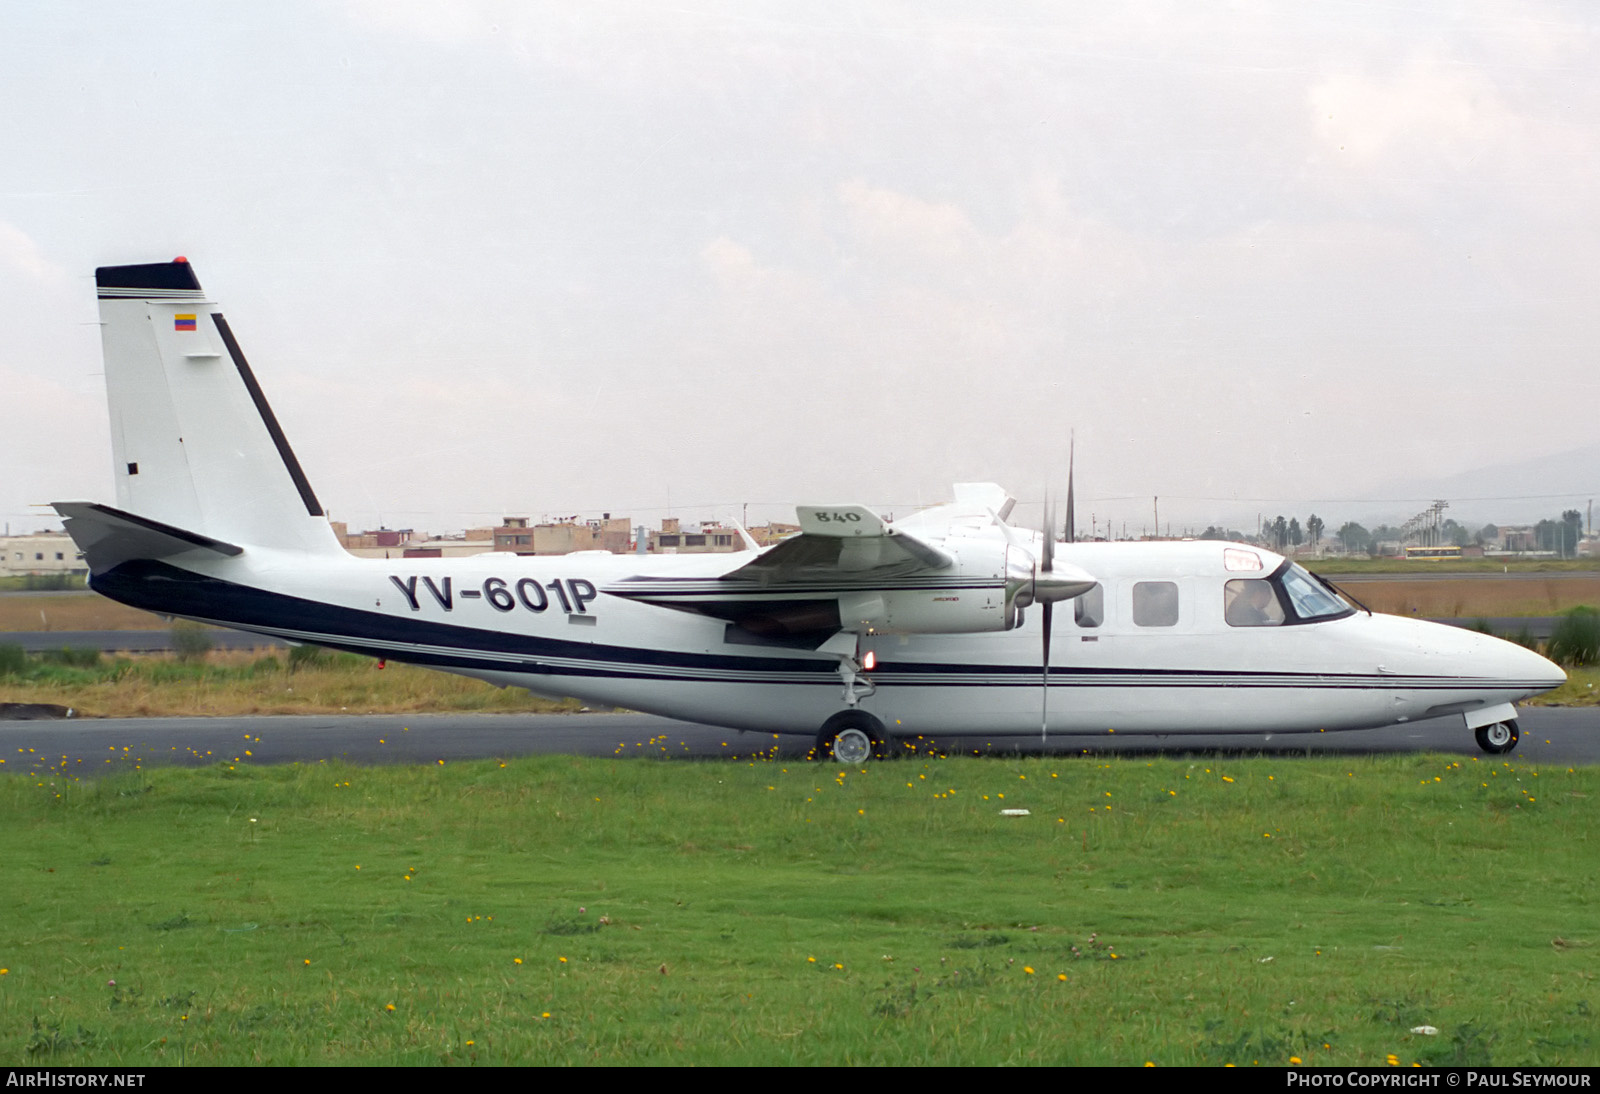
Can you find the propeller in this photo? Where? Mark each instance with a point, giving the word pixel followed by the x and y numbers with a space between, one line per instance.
pixel 1047 558
pixel 1039 580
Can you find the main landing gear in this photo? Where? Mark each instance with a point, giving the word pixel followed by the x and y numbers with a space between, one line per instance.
pixel 852 737
pixel 1497 738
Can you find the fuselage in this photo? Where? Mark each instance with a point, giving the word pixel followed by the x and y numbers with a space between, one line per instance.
pixel 856 629
pixel 545 624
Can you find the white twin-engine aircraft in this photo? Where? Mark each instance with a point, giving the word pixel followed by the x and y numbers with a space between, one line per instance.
pixel 856 631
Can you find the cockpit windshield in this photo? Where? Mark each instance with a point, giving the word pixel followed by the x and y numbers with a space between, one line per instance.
pixel 1311 601
pixel 1289 596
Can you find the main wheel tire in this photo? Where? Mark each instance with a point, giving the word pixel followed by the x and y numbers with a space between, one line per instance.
pixel 851 737
pixel 1497 739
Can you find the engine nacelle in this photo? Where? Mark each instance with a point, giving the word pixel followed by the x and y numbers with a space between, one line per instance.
pixel 942 611
pixel 972 596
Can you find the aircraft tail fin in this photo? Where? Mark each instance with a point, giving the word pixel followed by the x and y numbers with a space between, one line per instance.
pixel 197 449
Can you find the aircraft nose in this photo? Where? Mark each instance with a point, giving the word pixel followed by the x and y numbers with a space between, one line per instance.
pixel 1520 664
pixel 1554 674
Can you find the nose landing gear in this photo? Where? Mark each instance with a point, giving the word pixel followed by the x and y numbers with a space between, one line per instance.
pixel 1497 738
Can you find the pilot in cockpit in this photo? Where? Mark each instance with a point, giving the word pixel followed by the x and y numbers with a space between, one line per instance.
pixel 1251 603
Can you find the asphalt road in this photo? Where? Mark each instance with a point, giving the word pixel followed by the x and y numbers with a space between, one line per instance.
pixel 1549 735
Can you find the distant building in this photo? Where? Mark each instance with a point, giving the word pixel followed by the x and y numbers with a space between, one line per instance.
pixel 40 553
pixel 376 538
pixel 563 537
pixel 709 539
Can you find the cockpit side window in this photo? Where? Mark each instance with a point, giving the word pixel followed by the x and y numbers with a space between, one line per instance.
pixel 1251 602
pixel 1155 604
pixel 1089 610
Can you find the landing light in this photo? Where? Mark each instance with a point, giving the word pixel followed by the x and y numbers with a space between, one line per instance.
pixel 870 661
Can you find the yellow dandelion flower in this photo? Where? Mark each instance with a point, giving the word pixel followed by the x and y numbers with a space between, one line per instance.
pixel 516 960
pixel 1294 1059
pixel 1061 976
pixel 388 1006
pixel 1028 969
pixel 563 960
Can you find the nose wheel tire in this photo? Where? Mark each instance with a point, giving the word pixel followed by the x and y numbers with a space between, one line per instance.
pixel 1497 739
pixel 853 737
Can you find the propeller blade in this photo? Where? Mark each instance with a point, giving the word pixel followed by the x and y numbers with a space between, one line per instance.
pixel 1044 712
pixel 1048 555
pixel 1047 558
pixel 1072 520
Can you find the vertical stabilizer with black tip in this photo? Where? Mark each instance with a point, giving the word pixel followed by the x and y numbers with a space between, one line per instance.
pixel 195 445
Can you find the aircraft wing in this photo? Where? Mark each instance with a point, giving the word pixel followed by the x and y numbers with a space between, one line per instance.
pixel 811 581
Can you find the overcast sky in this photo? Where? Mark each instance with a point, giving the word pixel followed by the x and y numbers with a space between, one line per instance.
pixel 523 259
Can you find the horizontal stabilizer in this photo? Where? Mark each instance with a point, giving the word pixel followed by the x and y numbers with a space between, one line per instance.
pixel 109 537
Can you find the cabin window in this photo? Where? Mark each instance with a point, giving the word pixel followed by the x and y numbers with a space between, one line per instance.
pixel 1155 604
pixel 1089 610
pixel 1251 603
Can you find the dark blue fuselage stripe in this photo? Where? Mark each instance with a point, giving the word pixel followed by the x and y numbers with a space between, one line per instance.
pixel 161 587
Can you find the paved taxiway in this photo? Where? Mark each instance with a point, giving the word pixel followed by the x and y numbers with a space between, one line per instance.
pixel 1549 735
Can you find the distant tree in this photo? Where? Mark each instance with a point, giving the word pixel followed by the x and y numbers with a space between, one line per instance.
pixel 1487 534
pixel 1280 532
pixel 1571 533
pixel 1213 532
pixel 1296 536
pixel 1314 528
pixel 1354 537
pixel 1547 535
pixel 1383 533
pixel 1453 533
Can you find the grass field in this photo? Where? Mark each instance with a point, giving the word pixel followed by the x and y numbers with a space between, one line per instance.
pixel 1450 566
pixel 74 611
pixel 235 682
pixel 560 910
pixel 1471 598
